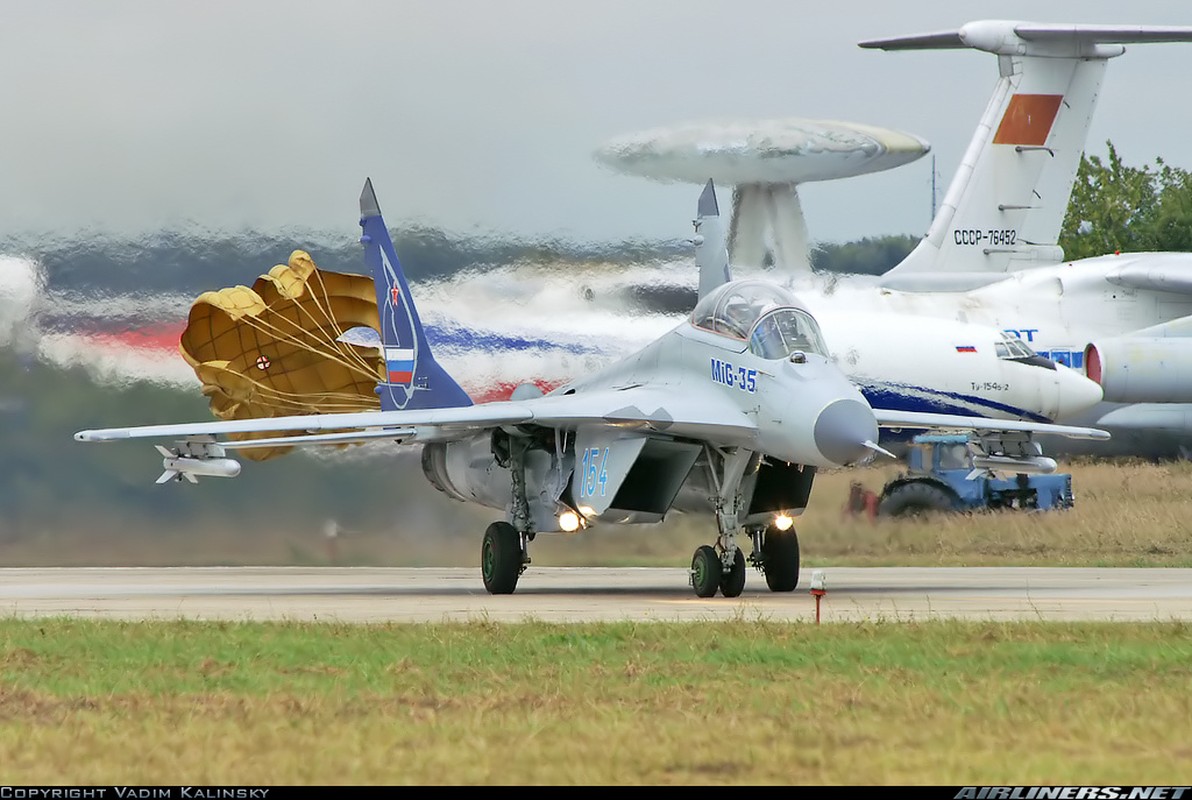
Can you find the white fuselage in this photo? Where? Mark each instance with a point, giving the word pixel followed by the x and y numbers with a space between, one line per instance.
pixel 1060 310
pixel 915 363
pixel 899 361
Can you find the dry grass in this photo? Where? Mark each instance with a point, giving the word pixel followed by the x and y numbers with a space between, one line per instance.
pixel 743 702
pixel 1128 513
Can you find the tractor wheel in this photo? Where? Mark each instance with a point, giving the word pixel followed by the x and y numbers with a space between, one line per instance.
pixel 916 497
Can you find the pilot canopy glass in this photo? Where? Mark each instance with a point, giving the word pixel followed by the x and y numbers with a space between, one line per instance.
pixel 1012 348
pixel 765 315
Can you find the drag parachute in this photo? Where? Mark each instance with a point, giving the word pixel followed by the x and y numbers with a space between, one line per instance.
pixel 277 349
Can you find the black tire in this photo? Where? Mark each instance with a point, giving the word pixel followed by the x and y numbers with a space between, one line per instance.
pixel 706 570
pixel 780 558
pixel 500 558
pixel 732 583
pixel 916 497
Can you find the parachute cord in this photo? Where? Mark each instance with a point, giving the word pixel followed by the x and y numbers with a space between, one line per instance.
pixel 334 324
pixel 321 402
pixel 348 356
pixel 357 364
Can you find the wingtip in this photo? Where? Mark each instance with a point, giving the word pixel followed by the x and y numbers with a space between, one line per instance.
pixel 368 200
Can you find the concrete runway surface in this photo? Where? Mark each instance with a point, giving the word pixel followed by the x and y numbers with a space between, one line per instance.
pixel 575 594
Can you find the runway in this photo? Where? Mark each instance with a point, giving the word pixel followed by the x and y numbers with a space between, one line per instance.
pixel 567 594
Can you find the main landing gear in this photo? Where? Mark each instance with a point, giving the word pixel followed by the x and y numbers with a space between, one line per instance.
pixel 503 558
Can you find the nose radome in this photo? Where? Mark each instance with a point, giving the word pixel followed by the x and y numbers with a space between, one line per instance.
pixel 842 429
pixel 1076 392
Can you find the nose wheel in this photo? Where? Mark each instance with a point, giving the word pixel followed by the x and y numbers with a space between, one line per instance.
pixel 732 582
pixel 705 571
pixel 709 572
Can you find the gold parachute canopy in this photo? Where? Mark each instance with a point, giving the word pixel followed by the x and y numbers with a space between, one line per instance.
pixel 275 350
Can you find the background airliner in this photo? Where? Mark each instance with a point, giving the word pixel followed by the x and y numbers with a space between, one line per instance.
pixel 991 256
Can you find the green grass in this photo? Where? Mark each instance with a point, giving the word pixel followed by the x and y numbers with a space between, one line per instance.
pixel 475 703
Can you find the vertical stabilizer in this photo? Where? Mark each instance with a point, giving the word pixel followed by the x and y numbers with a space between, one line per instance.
pixel 711 252
pixel 1006 203
pixel 413 379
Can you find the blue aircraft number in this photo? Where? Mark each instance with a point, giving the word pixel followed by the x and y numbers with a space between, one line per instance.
pixel 591 477
pixel 726 374
pixel 1023 333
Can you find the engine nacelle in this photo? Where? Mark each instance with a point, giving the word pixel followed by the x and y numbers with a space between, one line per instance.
pixel 468 470
pixel 1136 369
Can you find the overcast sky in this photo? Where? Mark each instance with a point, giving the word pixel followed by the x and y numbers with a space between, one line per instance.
pixel 482 116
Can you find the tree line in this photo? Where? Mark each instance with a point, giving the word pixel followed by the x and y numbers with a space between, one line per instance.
pixel 1114 207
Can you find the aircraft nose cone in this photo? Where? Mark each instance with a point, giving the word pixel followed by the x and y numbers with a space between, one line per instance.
pixel 1076 393
pixel 842 429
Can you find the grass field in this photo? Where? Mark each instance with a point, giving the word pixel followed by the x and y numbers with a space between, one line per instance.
pixel 1128 513
pixel 748 702
pixel 745 702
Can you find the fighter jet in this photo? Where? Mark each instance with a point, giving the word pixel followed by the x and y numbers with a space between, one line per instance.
pixel 730 414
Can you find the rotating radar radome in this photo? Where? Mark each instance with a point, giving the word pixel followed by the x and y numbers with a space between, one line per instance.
pixel 764 160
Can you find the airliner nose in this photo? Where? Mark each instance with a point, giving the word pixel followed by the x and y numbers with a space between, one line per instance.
pixel 842 429
pixel 1076 392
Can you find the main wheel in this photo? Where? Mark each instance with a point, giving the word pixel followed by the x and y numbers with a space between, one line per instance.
pixel 732 583
pixel 501 558
pixel 705 571
pixel 780 553
pixel 915 497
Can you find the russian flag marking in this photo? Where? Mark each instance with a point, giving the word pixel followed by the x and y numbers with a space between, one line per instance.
pixel 399 362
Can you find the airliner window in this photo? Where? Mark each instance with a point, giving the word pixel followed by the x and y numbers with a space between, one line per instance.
pixel 785 330
pixel 733 309
pixel 1013 347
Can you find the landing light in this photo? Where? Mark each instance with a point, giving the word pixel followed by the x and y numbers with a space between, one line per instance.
pixel 569 521
pixel 783 522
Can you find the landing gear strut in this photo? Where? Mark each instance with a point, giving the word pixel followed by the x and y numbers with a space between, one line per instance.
pixel 505 552
pixel 723 566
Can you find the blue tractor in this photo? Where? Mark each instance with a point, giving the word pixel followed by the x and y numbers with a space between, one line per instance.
pixel 940 476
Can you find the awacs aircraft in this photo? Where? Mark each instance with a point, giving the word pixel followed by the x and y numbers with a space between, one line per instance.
pixel 990 256
pixel 729 413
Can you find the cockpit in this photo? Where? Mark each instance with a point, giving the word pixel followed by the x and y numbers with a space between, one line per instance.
pixel 763 314
pixel 1011 348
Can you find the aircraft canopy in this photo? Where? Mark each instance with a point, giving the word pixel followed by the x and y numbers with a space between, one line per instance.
pixel 762 313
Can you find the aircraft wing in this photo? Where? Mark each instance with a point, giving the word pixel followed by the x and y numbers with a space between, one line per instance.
pixel 638 407
pixel 912 419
